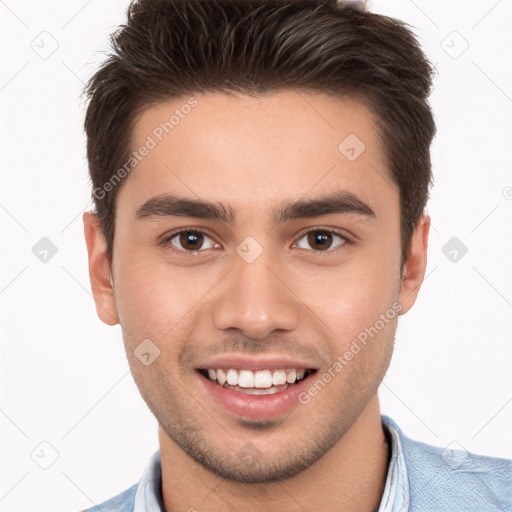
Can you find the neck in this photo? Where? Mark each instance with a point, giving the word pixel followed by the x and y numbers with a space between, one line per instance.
pixel 350 476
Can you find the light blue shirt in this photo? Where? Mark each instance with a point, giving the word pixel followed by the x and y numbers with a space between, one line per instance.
pixel 420 478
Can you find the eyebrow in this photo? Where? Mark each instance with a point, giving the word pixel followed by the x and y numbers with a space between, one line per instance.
pixel 340 202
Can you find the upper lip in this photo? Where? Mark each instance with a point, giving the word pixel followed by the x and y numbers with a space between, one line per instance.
pixel 244 362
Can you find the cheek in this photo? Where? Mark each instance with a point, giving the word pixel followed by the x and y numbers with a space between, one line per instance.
pixel 144 298
pixel 155 299
pixel 352 297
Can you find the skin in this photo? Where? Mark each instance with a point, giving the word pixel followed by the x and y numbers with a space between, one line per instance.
pixel 251 154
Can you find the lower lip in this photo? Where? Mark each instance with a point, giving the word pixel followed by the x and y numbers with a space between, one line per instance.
pixel 255 406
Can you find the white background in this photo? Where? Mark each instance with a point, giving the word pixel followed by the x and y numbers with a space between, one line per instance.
pixel 65 379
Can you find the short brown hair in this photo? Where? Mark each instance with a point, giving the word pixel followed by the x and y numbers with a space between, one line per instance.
pixel 171 48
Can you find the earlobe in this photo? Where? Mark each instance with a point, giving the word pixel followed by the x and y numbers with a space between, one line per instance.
pixel 99 270
pixel 414 267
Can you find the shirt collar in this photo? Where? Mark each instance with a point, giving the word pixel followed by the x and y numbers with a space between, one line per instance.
pixel 396 491
pixel 148 497
pixel 395 498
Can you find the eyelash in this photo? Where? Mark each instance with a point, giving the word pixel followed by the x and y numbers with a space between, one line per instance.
pixel 166 242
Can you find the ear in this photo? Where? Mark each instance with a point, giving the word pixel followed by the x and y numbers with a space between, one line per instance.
pixel 413 270
pixel 99 270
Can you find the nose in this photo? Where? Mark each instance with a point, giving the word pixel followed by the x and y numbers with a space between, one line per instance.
pixel 256 299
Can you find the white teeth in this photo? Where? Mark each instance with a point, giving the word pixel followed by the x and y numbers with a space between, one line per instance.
pixel 232 377
pixel 221 376
pixel 246 379
pixel 258 379
pixel 262 379
pixel 254 391
pixel 279 377
pixel 291 376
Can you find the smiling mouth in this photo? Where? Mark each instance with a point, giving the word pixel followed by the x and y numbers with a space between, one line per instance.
pixel 256 382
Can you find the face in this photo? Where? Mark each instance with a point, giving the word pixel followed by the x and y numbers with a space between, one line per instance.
pixel 275 265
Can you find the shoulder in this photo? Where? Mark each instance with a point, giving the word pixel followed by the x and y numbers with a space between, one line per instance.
pixel 145 494
pixel 443 478
pixel 123 502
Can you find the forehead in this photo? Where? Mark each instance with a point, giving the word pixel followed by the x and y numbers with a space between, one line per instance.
pixel 256 151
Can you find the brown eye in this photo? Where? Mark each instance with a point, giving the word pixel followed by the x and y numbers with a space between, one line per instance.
pixel 321 240
pixel 189 240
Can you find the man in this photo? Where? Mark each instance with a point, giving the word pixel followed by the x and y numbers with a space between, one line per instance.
pixel 260 171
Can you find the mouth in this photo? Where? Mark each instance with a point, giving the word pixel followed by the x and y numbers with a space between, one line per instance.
pixel 255 394
pixel 256 382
